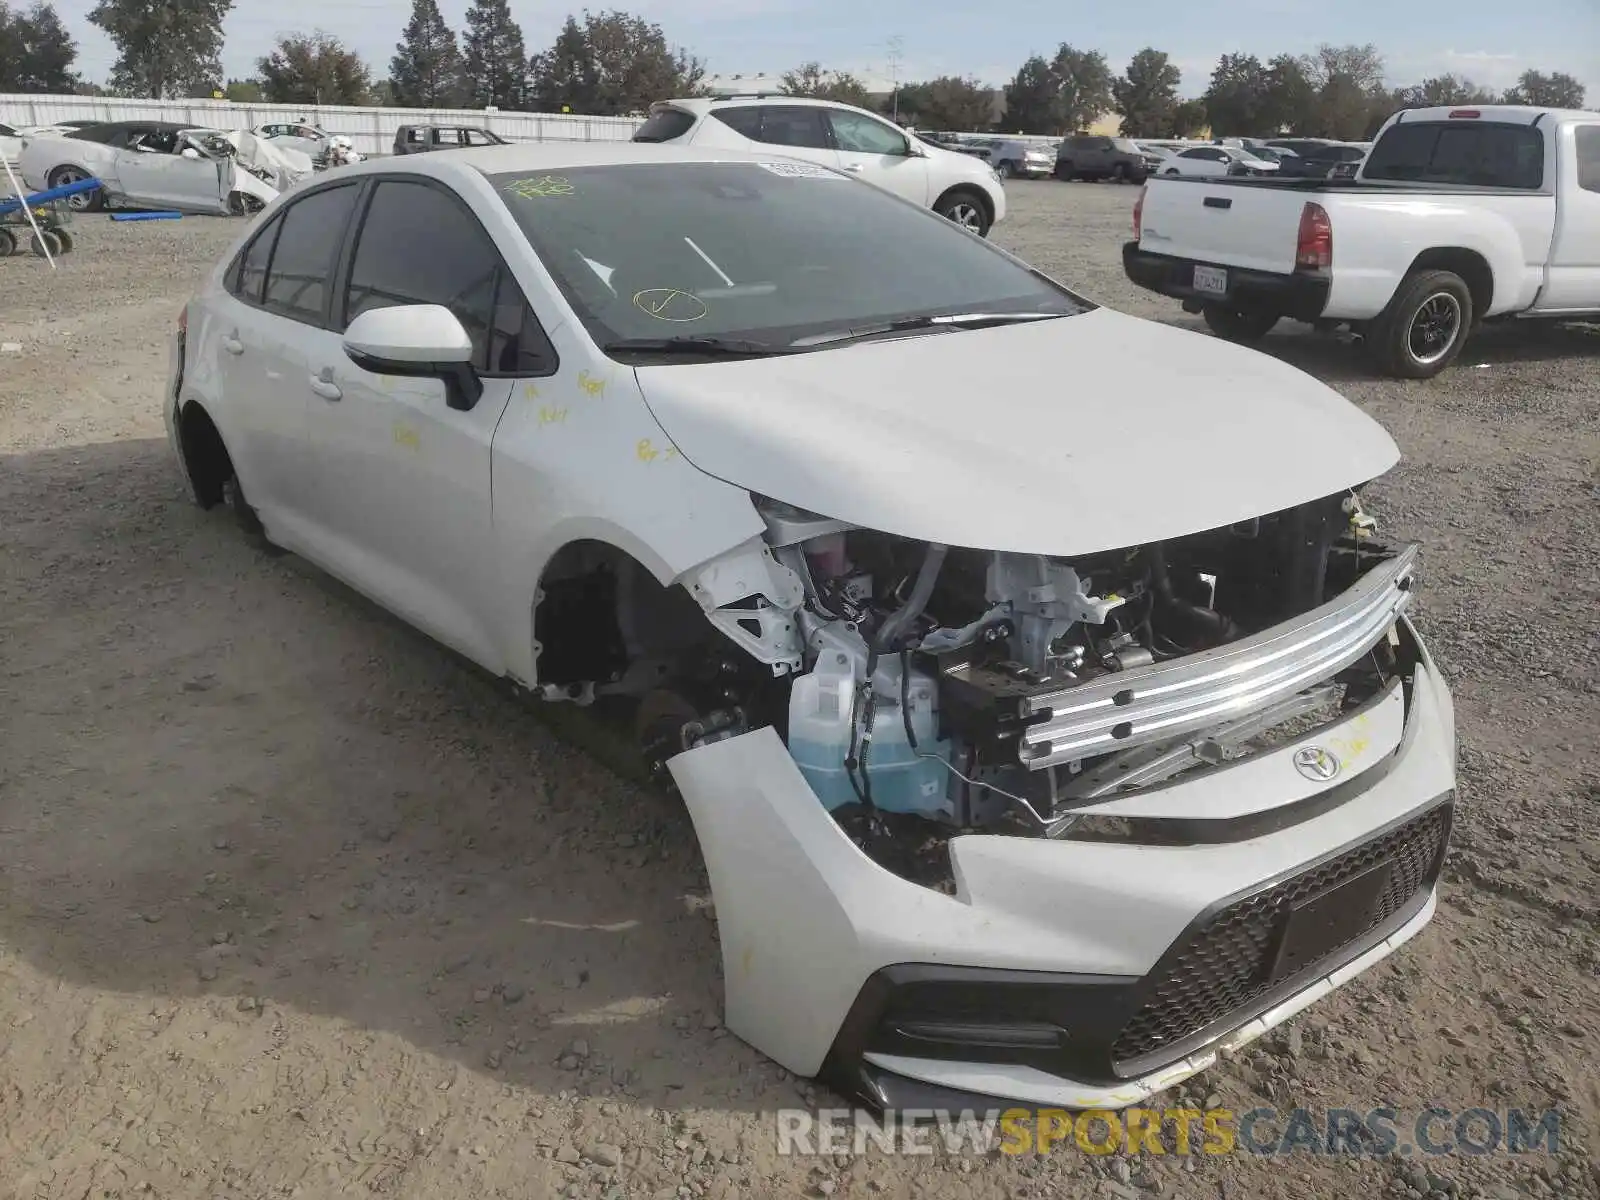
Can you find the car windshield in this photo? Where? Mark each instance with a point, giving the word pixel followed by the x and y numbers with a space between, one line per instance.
pixel 761 253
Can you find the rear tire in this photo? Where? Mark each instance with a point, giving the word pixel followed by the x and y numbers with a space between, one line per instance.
pixel 45 242
pixel 1425 326
pixel 1005 170
pixel 8 243
pixel 1064 172
pixel 1244 328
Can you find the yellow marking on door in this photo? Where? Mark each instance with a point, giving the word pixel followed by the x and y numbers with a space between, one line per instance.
pixel 590 385
pixel 552 416
pixel 405 435
pixel 530 392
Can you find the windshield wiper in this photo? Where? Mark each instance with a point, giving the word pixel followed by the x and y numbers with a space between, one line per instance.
pixel 971 320
pixel 711 347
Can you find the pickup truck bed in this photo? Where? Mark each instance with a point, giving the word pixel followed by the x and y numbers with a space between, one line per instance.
pixel 1390 257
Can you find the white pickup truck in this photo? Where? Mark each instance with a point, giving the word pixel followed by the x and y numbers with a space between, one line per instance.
pixel 1457 216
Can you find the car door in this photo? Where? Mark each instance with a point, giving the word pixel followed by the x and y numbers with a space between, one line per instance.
pixel 879 153
pixel 277 303
pixel 800 131
pixel 153 170
pixel 401 477
pixel 1574 274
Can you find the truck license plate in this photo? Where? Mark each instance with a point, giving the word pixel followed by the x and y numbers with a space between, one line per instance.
pixel 1211 280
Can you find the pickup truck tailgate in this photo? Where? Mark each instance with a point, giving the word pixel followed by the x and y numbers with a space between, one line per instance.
pixel 1211 221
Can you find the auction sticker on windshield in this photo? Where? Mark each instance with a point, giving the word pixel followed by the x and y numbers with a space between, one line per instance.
pixel 800 170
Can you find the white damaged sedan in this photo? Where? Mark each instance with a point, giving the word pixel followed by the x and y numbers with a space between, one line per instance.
pixel 1043 741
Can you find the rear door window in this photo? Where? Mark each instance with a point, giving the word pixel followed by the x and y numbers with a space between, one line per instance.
pixel 250 272
pixel 664 125
pixel 1465 152
pixel 782 125
pixel 745 120
pixel 303 260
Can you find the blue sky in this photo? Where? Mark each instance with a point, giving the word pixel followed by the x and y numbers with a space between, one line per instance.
pixel 1491 41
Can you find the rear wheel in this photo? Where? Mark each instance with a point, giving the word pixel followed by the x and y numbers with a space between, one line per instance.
pixel 1064 172
pixel 45 243
pixel 1006 169
pixel 65 239
pixel 8 243
pixel 1238 326
pixel 1425 326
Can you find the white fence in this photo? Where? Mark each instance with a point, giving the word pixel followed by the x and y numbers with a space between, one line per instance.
pixel 371 129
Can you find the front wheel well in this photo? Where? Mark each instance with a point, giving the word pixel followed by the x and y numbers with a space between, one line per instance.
pixel 602 619
pixel 205 457
pixel 1471 266
pixel 968 189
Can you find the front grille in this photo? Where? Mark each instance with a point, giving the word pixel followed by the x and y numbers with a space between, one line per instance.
pixel 1226 963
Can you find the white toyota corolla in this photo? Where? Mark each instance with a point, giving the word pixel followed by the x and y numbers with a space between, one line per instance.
pixel 1044 739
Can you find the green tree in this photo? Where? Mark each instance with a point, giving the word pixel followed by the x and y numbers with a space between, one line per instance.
pixel 1146 95
pixel 425 71
pixel 313 68
pixel 566 76
pixel 613 63
pixel 1189 118
pixel 244 91
pixel 496 62
pixel 809 79
pixel 1033 99
pixel 1350 90
pixel 1083 93
pixel 165 48
pixel 1288 100
pixel 1236 99
pixel 1556 90
pixel 957 102
pixel 36 51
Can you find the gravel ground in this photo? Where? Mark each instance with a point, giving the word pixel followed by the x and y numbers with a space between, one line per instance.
pixel 293 903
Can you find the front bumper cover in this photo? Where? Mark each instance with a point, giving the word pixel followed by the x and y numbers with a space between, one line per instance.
pixel 828 958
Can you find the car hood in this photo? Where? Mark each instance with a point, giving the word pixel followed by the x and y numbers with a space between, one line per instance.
pixel 1061 437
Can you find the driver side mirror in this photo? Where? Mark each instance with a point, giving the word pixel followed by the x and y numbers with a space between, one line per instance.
pixel 417 341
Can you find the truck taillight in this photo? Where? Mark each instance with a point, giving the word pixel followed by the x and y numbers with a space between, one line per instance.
pixel 1313 249
pixel 1138 213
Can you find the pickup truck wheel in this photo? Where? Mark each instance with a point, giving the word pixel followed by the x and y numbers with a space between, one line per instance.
pixel 1425 326
pixel 1238 326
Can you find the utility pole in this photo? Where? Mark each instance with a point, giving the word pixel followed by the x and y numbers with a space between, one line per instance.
pixel 896 44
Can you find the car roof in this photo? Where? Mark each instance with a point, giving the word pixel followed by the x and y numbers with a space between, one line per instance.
pixel 700 105
pixel 554 156
pixel 1512 114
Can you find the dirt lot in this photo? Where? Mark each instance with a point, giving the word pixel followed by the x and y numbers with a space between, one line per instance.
pixel 293 903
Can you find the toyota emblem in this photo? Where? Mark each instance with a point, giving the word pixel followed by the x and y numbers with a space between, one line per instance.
pixel 1316 763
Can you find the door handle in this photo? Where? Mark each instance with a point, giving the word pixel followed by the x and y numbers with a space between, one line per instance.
pixel 325 388
pixel 856 167
pixel 231 343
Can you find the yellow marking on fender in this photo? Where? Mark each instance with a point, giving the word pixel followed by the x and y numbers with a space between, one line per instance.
pixel 590 385
pixel 408 437
pixel 649 452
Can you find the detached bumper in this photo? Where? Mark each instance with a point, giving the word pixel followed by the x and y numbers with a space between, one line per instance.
pixel 1065 972
pixel 1299 296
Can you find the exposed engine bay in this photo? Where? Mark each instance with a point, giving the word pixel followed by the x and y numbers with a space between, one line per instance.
pixel 924 690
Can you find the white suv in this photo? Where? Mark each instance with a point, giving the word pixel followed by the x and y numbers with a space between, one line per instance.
pixel 956 186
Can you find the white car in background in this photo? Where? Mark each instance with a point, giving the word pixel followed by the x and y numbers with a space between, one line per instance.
pixel 1019 769
pixel 957 186
pixel 10 143
pixel 162 165
pixel 1217 160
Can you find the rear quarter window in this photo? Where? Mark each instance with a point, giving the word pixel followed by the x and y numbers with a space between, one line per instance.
pixel 665 125
pixel 1586 139
pixel 1468 153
